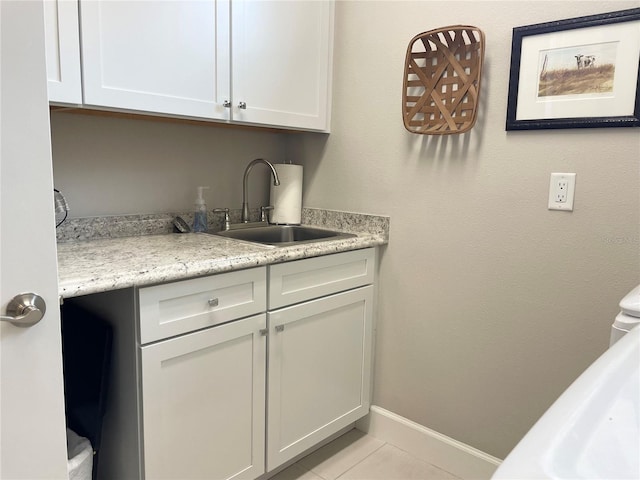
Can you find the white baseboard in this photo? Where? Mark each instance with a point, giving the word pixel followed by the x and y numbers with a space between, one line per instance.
pixel 455 457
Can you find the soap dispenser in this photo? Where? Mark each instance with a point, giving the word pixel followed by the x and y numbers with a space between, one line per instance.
pixel 200 213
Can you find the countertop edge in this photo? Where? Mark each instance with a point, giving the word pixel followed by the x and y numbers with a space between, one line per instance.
pixel 87 281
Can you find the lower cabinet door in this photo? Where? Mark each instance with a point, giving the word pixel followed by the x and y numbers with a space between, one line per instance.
pixel 319 371
pixel 203 403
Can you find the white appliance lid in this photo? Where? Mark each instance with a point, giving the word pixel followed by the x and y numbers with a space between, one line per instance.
pixel 630 304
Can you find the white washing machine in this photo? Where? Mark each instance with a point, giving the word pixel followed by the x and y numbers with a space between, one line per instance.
pixel 628 317
pixel 592 429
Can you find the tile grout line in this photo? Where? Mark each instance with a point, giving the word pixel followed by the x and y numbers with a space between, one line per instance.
pixel 424 461
pixel 359 461
pixel 306 470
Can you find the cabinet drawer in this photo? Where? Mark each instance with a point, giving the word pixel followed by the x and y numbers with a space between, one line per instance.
pixel 179 307
pixel 303 280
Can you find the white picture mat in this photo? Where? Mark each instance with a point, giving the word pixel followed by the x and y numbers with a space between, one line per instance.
pixel 620 102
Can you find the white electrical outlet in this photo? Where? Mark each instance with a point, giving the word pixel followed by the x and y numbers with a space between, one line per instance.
pixel 561 190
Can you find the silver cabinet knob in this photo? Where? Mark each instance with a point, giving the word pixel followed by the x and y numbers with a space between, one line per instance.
pixel 226 104
pixel 213 302
pixel 25 310
pixel 242 105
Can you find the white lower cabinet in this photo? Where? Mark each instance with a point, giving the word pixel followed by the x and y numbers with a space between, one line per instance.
pixel 232 375
pixel 203 400
pixel 320 339
pixel 319 371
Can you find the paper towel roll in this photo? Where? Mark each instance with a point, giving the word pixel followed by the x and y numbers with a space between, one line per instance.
pixel 286 198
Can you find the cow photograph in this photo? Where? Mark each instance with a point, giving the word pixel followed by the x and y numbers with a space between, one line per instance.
pixel 579 70
pixel 576 73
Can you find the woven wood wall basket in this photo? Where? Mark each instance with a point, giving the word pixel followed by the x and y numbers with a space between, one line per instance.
pixel 442 80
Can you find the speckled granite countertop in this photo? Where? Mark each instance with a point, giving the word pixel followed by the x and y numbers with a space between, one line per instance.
pixel 102 264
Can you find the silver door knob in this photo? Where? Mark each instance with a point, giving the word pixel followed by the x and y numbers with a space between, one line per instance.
pixel 25 310
pixel 226 104
pixel 242 105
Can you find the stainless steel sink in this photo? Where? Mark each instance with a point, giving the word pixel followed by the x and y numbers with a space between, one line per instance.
pixel 282 235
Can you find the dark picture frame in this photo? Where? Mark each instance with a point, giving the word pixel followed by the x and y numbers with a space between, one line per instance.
pixel 576 73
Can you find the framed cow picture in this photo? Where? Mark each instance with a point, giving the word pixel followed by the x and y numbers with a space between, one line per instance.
pixel 576 73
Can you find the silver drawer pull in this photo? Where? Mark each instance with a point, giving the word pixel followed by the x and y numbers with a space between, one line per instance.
pixel 279 328
pixel 213 302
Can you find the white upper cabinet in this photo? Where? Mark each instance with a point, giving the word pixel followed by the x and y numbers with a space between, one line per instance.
pixel 258 62
pixel 63 51
pixel 168 57
pixel 281 62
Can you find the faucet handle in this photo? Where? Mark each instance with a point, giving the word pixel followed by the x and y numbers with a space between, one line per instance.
pixel 227 221
pixel 263 213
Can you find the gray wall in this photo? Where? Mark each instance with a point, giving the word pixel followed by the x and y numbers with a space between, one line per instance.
pixel 113 166
pixel 490 305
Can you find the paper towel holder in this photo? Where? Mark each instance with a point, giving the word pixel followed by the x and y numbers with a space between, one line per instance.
pixel 287 198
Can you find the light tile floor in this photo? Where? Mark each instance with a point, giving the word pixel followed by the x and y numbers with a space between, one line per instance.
pixel 358 456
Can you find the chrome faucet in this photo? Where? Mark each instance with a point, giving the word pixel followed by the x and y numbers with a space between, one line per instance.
pixel 245 201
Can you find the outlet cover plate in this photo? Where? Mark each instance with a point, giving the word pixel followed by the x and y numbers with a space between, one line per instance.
pixel 562 187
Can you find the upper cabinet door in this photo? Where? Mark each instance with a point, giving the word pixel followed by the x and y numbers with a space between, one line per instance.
pixel 62 45
pixel 162 56
pixel 281 62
